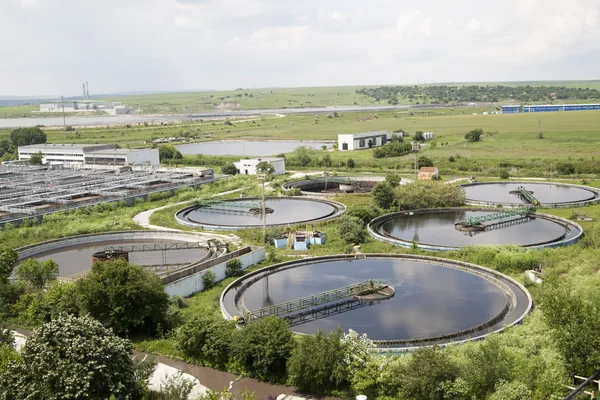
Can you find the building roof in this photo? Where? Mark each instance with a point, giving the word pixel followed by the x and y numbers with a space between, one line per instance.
pixel 366 134
pixel 263 159
pixel 58 146
pixel 118 151
pixel 428 169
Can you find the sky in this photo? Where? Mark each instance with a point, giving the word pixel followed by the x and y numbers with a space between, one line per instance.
pixel 48 47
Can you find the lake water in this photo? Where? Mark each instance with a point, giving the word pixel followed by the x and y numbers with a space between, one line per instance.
pixel 246 148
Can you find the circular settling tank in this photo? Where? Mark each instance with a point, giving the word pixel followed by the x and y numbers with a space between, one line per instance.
pixel 335 185
pixel 435 300
pixel 241 213
pixel 548 194
pixel 159 252
pixel 443 229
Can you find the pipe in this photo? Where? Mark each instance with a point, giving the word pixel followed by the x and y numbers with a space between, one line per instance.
pixel 582 386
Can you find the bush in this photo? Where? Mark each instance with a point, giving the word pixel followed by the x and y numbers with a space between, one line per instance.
pixel 233 268
pixel 394 149
pixel 208 280
pixel 474 135
pixel 168 152
pixel 428 195
pixel 37 273
pixel 393 178
pixel 383 195
pixel 364 213
pixel 229 169
pixel 504 174
pixel 350 163
pixel 352 229
pixel 263 347
pixel 207 339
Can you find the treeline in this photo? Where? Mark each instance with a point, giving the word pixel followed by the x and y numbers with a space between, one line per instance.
pixel 390 195
pixel 20 137
pixel 474 93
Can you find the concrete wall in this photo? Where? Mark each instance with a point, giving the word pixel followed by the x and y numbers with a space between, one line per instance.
pixel 143 157
pixel 193 283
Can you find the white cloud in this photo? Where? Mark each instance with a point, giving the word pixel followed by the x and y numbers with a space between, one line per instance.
pixel 49 47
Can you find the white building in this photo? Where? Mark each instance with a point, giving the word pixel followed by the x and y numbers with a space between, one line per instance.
pixel 89 154
pixel 109 107
pixel 428 135
pixel 248 166
pixel 359 141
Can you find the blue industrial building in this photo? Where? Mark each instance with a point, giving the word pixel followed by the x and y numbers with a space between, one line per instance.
pixel 537 108
pixel 511 109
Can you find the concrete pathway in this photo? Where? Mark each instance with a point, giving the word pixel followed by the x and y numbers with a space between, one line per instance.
pixel 143 219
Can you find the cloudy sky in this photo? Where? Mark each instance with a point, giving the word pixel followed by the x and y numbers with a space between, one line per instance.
pixel 51 46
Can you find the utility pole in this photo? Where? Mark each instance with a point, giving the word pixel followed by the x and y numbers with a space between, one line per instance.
pixel 263 213
pixel 539 129
pixel 62 100
pixel 415 149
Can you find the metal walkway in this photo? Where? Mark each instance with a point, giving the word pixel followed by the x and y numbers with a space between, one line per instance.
pixel 327 310
pixel 157 247
pixel 522 211
pixel 316 299
pixel 231 204
pixel 528 195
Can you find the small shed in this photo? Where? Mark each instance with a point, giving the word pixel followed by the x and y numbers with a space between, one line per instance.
pixel 427 173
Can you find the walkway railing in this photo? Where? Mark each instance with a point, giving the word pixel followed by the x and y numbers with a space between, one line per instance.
pixel 316 299
pixel 523 211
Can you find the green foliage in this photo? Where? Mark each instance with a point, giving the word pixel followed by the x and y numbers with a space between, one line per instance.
pixel 393 178
pixel 209 279
pixel 27 136
pixel 8 356
pixel 233 268
pixel 302 156
pixel 364 213
pixel 265 167
pixel 124 297
pixel 565 168
pixel 8 260
pixel 37 273
pixel 352 229
pixel 394 149
pixel 419 137
pixel 504 174
pixel 36 158
pixel 492 364
pixel 263 347
pixel 175 387
pixel 229 169
pixel 350 163
pixel 72 358
pixel 511 391
pixel 428 195
pixel 207 339
pixel 317 363
pixel 383 195
pixel 424 161
pixel 474 135
pixel 425 374
pixel 168 152
pixel 575 317
pixel 6 337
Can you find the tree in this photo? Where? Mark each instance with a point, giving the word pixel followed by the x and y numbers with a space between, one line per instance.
pixel 207 339
pixel 175 387
pixel 229 169
pixel 424 161
pixel 168 152
pixel 27 136
pixel 425 373
pixel 352 229
pixel 393 179
pixel 209 279
pixel 263 348
pixel 364 213
pixel 265 167
pixel 428 195
pixel 474 135
pixel 383 194
pixel 72 358
pixel 37 273
pixel 317 363
pixel 350 163
pixel 511 391
pixel 8 260
pixel 419 137
pixel 36 158
pixel 124 297
pixel 326 160
pixel 492 363
pixel 233 268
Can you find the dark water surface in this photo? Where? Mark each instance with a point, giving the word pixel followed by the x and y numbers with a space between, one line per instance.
pixel 438 229
pixel 72 260
pixel 430 300
pixel 286 211
pixel 544 192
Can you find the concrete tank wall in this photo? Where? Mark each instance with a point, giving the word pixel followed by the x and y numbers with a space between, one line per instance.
pixel 193 283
